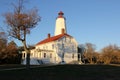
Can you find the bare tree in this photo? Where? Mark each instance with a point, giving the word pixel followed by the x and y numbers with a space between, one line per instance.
pixel 12 49
pixel 3 41
pixel 20 22
pixel 3 44
pixel 90 52
pixel 111 54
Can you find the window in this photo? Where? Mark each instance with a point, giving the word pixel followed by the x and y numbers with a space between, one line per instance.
pixel 52 46
pixel 44 55
pixel 72 47
pixel 62 45
pixel 43 47
pixel 73 56
pixel 64 39
pixel 40 55
pixel 31 54
pixel 50 55
pixel 70 40
pixel 46 47
pixel 24 55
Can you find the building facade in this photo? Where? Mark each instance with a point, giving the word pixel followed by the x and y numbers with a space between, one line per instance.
pixel 61 47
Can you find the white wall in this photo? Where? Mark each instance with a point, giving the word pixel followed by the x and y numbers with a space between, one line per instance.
pixel 60 24
pixel 54 50
pixel 68 46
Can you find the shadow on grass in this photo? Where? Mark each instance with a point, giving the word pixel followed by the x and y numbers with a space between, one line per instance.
pixel 64 72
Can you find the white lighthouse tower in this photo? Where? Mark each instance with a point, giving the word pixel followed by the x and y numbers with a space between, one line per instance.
pixel 60 24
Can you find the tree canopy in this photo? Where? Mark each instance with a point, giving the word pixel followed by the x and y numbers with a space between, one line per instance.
pixel 20 22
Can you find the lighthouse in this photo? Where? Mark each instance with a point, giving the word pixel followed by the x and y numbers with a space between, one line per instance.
pixel 60 48
pixel 60 24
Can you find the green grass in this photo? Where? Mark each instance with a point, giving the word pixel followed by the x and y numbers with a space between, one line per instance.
pixel 64 72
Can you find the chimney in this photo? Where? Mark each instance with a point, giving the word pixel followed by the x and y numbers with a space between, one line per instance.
pixel 63 31
pixel 49 35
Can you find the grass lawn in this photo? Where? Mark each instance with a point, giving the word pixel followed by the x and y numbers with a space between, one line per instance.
pixel 64 72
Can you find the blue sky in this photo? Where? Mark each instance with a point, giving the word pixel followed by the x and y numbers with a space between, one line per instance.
pixel 94 21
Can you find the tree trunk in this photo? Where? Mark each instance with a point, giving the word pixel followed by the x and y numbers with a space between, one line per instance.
pixel 78 56
pixel 28 61
pixel 28 55
pixel 91 61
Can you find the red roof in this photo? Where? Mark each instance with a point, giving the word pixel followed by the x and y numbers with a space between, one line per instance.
pixel 54 38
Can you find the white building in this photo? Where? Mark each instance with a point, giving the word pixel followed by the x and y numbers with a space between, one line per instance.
pixel 55 49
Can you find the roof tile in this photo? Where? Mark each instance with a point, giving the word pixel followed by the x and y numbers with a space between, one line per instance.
pixel 54 38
